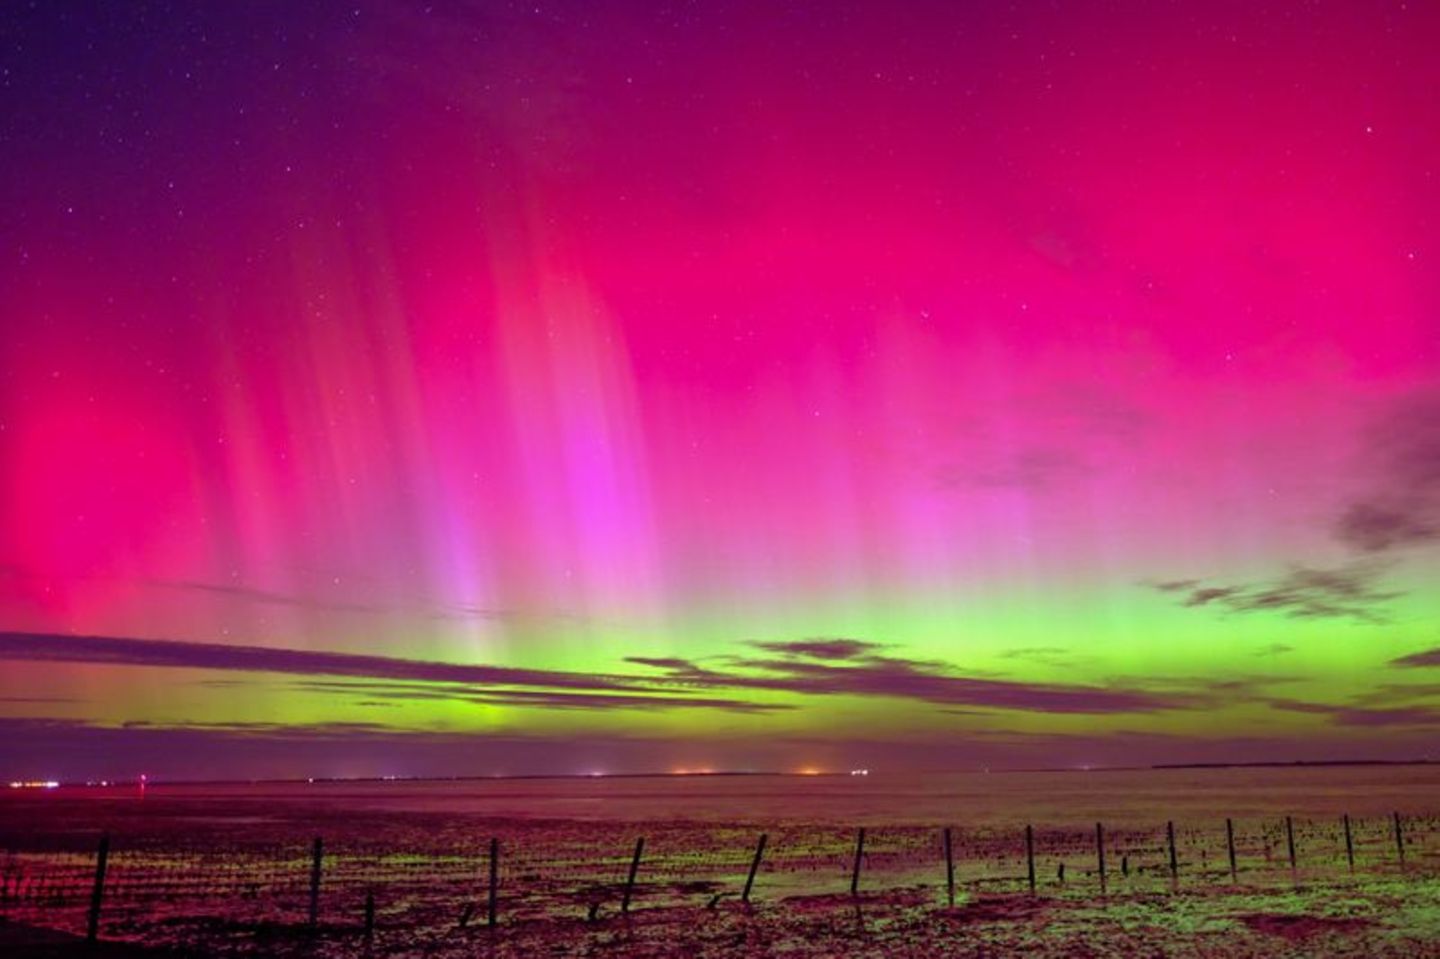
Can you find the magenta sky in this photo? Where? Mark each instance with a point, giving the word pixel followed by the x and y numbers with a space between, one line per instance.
pixel 731 386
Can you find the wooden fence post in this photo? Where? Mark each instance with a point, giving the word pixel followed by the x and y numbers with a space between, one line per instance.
pixel 491 892
pixel 102 858
pixel 1030 856
pixel 1230 846
pixel 1100 852
pixel 754 867
pixel 949 868
pixel 1399 838
pixel 1290 841
pixel 369 914
pixel 859 854
pixel 1174 863
pixel 1349 844
pixel 317 851
pixel 630 880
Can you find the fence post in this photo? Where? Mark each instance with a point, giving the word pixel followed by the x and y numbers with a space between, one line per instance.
pixel 1100 852
pixel 754 867
pixel 630 880
pixel 1349 845
pixel 1174 863
pixel 102 858
pixel 859 853
pixel 1230 846
pixel 369 914
pixel 949 868
pixel 317 851
pixel 1290 841
pixel 1399 837
pixel 494 881
pixel 1030 856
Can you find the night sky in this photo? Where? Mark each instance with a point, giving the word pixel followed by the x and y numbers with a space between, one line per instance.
pixel 392 389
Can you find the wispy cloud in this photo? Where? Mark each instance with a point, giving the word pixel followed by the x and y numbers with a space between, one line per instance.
pixel 550 699
pixel 863 670
pixel 1401 507
pixel 1306 592
pixel 269 597
pixel 1055 656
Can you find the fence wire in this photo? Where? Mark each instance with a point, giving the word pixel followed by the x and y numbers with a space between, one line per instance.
pixel 438 876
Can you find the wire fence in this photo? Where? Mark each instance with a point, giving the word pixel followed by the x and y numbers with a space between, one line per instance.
pixel 128 886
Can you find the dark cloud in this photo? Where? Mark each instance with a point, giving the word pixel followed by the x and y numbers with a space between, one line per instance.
pixel 550 699
pixel 671 663
pixel 1377 525
pixel 1392 694
pixel 1399 716
pixel 1209 594
pixel 1174 585
pixel 1402 505
pixel 1429 657
pixel 1359 713
pixel 43 647
pixel 793 668
pixel 1343 592
pixel 823 648
pixel 477 684
pixel 864 672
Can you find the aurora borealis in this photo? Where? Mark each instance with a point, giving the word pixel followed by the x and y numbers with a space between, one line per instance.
pixel 566 387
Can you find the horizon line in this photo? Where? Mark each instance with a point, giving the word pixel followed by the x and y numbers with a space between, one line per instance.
pixel 31 784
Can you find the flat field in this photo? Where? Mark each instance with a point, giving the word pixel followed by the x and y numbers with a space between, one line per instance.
pixel 233 870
